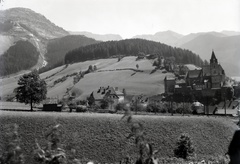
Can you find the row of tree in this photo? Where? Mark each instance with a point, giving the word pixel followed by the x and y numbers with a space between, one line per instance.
pixel 21 56
pixel 131 47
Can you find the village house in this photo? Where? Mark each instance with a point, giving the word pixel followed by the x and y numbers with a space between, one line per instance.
pixel 114 94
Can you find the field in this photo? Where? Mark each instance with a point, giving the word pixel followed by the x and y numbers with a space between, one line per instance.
pixel 109 72
pixel 102 137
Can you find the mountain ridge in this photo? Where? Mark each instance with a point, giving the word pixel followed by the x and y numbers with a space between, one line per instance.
pixel 99 37
pixel 35 21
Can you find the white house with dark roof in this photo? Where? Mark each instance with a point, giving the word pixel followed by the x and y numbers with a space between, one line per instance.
pixel 107 93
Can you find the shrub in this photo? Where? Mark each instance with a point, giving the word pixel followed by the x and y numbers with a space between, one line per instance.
pixel 75 92
pixel 137 108
pixel 121 107
pixel 184 109
pixel 81 108
pixel 184 147
pixel 104 104
pixel 155 63
pixel 155 108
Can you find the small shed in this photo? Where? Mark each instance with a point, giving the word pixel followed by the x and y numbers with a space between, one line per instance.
pixel 52 105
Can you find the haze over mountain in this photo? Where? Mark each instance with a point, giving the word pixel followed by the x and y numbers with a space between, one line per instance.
pixel 227 50
pixel 167 37
pixel 103 37
pixel 230 33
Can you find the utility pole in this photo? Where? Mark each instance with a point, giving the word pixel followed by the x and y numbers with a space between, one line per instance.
pixel 225 106
pixel 172 104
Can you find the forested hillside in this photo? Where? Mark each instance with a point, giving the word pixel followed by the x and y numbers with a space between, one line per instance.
pixel 23 55
pixel 130 47
pixel 58 47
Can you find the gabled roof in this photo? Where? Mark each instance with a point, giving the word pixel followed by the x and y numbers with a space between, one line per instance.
pixel 194 73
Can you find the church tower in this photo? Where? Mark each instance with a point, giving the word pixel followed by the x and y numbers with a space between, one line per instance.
pixel 213 59
pixel 214 67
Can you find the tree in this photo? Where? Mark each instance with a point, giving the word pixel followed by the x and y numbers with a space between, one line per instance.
pixel 205 62
pixel 137 66
pixel 31 89
pixel 90 68
pixel 94 67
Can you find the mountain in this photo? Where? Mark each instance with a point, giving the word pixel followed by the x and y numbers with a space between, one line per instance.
pixel 58 47
pixel 130 47
pixel 192 36
pixel 227 50
pixel 104 37
pixel 31 21
pixel 166 37
pixel 230 33
pixel 18 24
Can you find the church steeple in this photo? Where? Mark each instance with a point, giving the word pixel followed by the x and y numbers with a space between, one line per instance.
pixel 213 58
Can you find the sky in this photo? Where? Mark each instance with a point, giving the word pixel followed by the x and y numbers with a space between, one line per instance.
pixel 135 17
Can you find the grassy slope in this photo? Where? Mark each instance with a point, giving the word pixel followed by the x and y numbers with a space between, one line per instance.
pixel 101 137
pixel 139 83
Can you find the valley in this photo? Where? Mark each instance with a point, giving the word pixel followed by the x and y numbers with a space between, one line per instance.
pixel 69 95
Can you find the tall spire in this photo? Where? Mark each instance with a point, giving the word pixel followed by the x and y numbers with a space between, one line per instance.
pixel 213 58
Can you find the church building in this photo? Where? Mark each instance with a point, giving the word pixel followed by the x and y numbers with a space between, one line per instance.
pixel 213 74
pixel 210 76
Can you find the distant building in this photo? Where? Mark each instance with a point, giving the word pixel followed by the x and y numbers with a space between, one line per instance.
pixel 214 73
pixel 169 84
pixel 210 76
pixel 107 93
pixel 51 104
pixel 194 77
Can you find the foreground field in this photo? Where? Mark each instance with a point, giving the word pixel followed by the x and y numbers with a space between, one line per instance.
pixel 102 137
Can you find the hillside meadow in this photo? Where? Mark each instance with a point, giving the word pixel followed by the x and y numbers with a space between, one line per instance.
pixel 102 137
pixel 110 72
